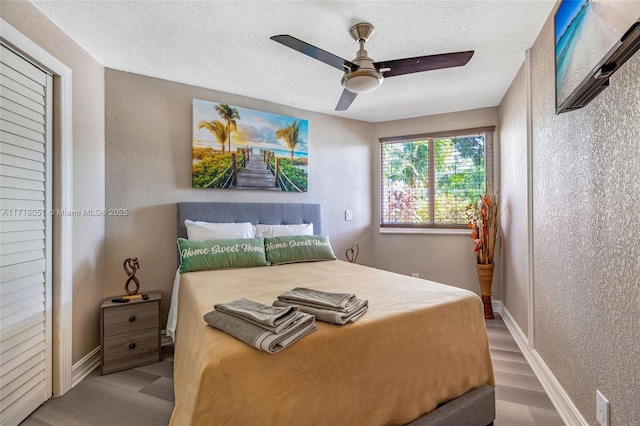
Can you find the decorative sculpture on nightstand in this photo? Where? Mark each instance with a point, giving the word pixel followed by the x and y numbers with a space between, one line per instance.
pixel 352 253
pixel 133 265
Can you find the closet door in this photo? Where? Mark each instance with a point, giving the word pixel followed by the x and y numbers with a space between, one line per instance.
pixel 25 237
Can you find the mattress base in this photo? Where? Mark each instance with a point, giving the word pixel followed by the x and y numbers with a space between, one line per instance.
pixel 475 408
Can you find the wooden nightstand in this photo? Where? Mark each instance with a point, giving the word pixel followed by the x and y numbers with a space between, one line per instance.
pixel 130 333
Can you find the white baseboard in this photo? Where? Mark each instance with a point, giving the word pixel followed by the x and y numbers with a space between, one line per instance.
pixel 556 393
pixel 85 366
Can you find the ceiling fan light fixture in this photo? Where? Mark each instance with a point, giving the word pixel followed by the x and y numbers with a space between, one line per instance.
pixel 362 81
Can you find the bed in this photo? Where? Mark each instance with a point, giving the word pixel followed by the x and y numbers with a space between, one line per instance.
pixel 419 356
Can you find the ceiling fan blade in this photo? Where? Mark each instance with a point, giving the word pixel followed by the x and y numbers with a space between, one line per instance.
pixel 424 63
pixel 345 100
pixel 314 52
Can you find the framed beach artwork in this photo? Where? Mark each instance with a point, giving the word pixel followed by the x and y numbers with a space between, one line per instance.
pixel 593 38
pixel 241 148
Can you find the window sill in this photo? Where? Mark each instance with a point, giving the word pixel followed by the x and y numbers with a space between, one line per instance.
pixel 432 231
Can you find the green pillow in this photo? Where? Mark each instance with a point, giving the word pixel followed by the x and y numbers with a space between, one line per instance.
pixel 299 248
pixel 199 255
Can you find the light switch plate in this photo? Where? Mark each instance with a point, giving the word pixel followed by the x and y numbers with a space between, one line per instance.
pixel 602 409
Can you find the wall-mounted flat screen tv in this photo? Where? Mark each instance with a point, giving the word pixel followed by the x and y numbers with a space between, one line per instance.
pixel 593 38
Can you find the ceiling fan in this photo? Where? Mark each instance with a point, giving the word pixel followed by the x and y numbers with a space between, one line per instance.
pixel 362 74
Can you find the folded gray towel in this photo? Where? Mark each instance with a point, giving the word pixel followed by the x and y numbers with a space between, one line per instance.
pixel 319 299
pixel 258 337
pixel 271 318
pixel 357 309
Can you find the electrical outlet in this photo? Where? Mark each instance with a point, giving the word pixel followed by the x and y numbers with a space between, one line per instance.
pixel 602 409
pixel 348 215
pixel 415 275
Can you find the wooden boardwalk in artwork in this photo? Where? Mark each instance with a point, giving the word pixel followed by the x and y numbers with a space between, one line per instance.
pixel 256 175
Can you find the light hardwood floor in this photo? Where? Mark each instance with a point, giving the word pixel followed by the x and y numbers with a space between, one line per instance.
pixel 520 398
pixel 144 395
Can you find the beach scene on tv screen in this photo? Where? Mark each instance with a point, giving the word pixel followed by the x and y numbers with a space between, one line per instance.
pixel 585 31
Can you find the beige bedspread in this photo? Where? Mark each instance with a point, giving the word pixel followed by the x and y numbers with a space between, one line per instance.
pixel 420 344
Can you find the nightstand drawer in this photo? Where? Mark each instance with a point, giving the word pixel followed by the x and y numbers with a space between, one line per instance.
pixel 130 333
pixel 131 345
pixel 127 319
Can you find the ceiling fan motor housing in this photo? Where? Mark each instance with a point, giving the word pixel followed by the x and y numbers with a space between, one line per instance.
pixel 365 79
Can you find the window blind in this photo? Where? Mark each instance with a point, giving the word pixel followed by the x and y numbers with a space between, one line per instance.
pixel 428 180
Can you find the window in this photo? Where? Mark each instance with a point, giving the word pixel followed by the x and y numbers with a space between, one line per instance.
pixel 428 180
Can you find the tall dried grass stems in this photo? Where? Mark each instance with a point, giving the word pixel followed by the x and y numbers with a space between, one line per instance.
pixel 484 222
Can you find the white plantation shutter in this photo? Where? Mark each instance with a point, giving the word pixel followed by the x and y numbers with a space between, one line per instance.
pixel 25 238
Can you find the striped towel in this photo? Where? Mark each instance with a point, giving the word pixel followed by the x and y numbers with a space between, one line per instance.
pixel 271 318
pixel 318 299
pixel 334 308
pixel 298 326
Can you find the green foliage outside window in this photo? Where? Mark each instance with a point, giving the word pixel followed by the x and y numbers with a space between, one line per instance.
pixel 458 176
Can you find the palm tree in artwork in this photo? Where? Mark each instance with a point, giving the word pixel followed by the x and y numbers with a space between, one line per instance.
pixel 290 135
pixel 217 129
pixel 229 114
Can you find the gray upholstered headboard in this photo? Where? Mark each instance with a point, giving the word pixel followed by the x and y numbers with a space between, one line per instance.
pixel 265 213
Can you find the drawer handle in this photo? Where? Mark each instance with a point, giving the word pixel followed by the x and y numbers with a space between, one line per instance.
pixel 132 318
pixel 132 346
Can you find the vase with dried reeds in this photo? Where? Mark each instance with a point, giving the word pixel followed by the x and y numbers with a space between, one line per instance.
pixel 484 221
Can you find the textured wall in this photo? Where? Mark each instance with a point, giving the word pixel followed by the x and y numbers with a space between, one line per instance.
pixel 447 259
pixel 513 194
pixel 148 170
pixel 88 166
pixel 587 257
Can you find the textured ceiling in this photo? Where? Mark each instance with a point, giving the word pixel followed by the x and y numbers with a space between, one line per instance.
pixel 224 45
